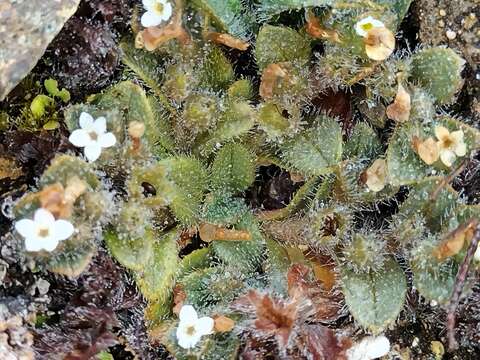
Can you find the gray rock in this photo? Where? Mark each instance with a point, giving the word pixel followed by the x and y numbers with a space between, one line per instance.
pixel 26 29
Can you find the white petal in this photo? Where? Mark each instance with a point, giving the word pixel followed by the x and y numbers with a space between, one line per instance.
pixel 25 227
pixel 107 140
pixel 441 132
pixel 447 157
pixel 167 11
pixel 187 341
pixel 44 217
pixel 378 347
pixel 79 138
pixel 93 151
pixel 188 314
pixel 49 243
pixel 457 135
pixel 204 325
pixel 63 229
pixel 86 120
pixel 100 125
pixel 461 149
pixel 476 256
pixel 150 19
pixel 33 244
pixel 149 5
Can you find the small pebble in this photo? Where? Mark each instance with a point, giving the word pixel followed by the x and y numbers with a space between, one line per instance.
pixel 451 34
pixel 442 12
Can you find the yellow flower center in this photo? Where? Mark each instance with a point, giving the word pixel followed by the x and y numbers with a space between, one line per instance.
pixel 191 330
pixel 158 8
pixel 447 142
pixel 367 26
pixel 43 232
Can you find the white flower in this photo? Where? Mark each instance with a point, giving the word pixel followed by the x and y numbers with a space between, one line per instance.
pixel 92 136
pixel 363 26
pixel 450 144
pixel 191 328
pixel 369 348
pixel 43 232
pixel 157 11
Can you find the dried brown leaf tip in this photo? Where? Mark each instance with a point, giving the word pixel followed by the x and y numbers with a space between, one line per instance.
pixel 379 43
pixel 9 169
pixel 272 75
pixel 211 232
pixel 223 323
pixel 228 40
pixel 179 296
pixel 375 177
pixel 274 317
pixel 321 343
pixel 427 150
pixel 399 110
pixel 454 242
pixel 153 37
pixel 316 30
pixel 58 200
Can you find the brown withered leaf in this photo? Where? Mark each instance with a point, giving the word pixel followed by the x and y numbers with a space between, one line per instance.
pixel 228 40
pixel 302 285
pixel 318 342
pixel 379 43
pixel 399 110
pixel 315 29
pixel 179 296
pixel 272 74
pixel 223 323
pixel 274 317
pixel 454 242
pixel 59 201
pixel 210 232
pixel 9 169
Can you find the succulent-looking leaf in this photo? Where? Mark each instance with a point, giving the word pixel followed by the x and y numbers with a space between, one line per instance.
pixel 133 253
pixel 270 8
pixel 237 119
pixel 375 298
pixel 363 143
pixel 438 70
pixel 217 72
pixel 434 280
pixel 229 16
pixel 276 44
pixel 435 211
pixel 156 279
pixel 314 151
pixel 233 169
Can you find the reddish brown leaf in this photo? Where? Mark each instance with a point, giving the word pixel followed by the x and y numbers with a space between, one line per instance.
pixel 179 296
pixel 325 305
pixel 320 343
pixel 274 317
